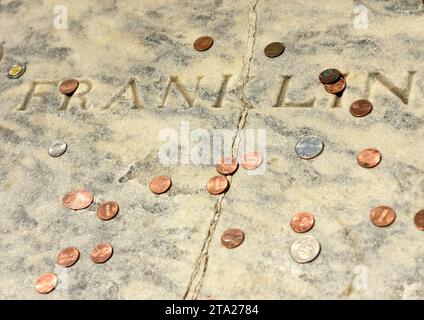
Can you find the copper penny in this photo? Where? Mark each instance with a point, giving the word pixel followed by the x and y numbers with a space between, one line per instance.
pixel 232 238
pixel 69 86
pixel 360 108
pixel 101 253
pixel 274 49
pixel 77 200
pixel 46 283
pixel 337 87
pixel 302 222
pixel 419 220
pixel 227 166
pixel 107 210
pixel 68 257
pixel 203 43
pixel 217 185
pixel 160 184
pixel 252 160
pixel 329 76
pixel 369 158
pixel 383 216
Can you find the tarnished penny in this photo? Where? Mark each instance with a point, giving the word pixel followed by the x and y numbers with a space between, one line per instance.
pixel 360 108
pixel 309 147
pixel 46 283
pixel 160 184
pixel 419 220
pixel 252 160
pixel 107 210
pixel 68 257
pixel 227 166
pixel 302 222
pixel 336 87
pixel 217 185
pixel 232 238
pixel 69 86
pixel 16 70
pixel 369 158
pixel 329 76
pixel 383 216
pixel 203 43
pixel 274 49
pixel 57 148
pixel 305 249
pixel 77 200
pixel 101 253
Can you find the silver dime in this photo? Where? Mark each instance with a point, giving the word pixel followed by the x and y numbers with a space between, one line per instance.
pixel 305 249
pixel 57 148
pixel 309 147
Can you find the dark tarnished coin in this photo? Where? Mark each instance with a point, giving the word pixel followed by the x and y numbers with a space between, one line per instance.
pixel 329 76
pixel 383 216
pixel 68 87
pixel 57 148
pixel 232 238
pixel 46 283
pixel 203 43
pixel 101 253
pixel 337 87
pixel 419 220
pixel 78 200
pixel 369 158
pixel 217 185
pixel 68 257
pixel 227 166
pixel 160 184
pixel 309 147
pixel 274 49
pixel 16 70
pixel 107 210
pixel 302 222
pixel 360 108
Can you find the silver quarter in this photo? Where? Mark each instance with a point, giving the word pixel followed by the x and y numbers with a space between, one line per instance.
pixel 305 249
pixel 309 147
pixel 57 148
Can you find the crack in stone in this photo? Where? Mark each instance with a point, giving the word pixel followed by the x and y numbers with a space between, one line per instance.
pixel 199 272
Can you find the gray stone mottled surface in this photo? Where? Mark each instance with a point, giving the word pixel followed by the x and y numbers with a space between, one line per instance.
pixel 168 246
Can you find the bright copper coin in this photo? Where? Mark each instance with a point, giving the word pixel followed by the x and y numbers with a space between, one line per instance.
pixel 101 253
pixel 360 108
pixel 369 158
pixel 107 210
pixel 46 283
pixel 227 166
pixel 160 184
pixel 77 200
pixel 302 222
pixel 383 216
pixel 203 43
pixel 217 185
pixel 336 87
pixel 69 86
pixel 232 238
pixel 252 160
pixel 68 257
pixel 419 220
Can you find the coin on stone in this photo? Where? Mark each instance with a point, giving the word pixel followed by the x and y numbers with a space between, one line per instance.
pixel 337 87
pixel 383 216
pixel 360 108
pixel 57 148
pixel 419 220
pixel 77 200
pixel 46 283
pixel 329 76
pixel 16 70
pixel 305 249
pixel 274 49
pixel 227 166
pixel 107 210
pixel 217 185
pixel 68 257
pixel 252 160
pixel 68 87
pixel 160 184
pixel 309 147
pixel 101 253
pixel 369 158
pixel 203 43
pixel 232 238
pixel 302 222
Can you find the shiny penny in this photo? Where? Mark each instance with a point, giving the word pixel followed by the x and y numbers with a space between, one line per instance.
pixel 46 283
pixel 383 216
pixel 360 108
pixel 309 147
pixel 369 158
pixel 15 71
pixel 274 49
pixel 57 148
pixel 69 86
pixel 227 166
pixel 203 43
pixel 68 257
pixel 160 184
pixel 217 185
pixel 232 238
pixel 329 76
pixel 305 249
pixel 302 222
pixel 252 160
pixel 101 253
pixel 336 87
pixel 107 210
pixel 77 200
pixel 419 220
